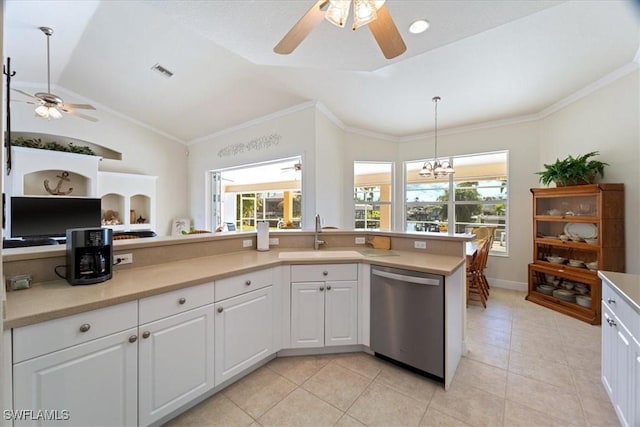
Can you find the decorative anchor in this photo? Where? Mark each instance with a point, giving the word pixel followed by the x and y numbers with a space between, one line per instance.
pixel 64 176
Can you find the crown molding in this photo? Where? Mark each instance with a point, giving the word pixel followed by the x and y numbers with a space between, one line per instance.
pixel 100 107
pixel 299 107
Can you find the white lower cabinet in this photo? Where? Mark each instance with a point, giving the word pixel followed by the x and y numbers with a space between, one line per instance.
pixel 175 362
pixel 244 331
pixel 620 355
pixel 94 383
pixel 324 313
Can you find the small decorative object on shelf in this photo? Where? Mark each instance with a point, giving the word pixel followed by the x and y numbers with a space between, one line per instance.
pixel 573 170
pixel 111 218
pixel 57 191
pixel 141 220
pixel 577 230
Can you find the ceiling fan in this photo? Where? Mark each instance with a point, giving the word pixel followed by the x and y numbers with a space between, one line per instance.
pixel 372 13
pixel 50 106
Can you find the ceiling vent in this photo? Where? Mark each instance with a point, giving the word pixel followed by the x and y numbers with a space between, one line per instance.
pixel 162 71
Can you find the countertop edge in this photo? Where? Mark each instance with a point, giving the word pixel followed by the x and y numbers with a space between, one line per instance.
pixel 271 261
pixel 614 278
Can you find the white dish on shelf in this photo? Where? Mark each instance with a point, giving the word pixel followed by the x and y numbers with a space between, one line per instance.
pixel 583 300
pixel 576 263
pixel 554 212
pixel 581 230
pixel 592 265
pixel 591 241
pixel 556 259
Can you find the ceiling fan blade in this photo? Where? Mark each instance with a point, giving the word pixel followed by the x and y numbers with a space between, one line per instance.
pixel 82 116
pixel 26 94
pixel 301 29
pixel 386 33
pixel 78 106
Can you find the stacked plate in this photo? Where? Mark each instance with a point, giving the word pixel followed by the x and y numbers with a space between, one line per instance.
pixel 545 289
pixel 564 295
pixel 583 300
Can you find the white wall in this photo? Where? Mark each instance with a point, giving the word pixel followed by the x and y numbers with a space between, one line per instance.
pixel 608 121
pixel 143 151
pixel 297 137
pixel 330 172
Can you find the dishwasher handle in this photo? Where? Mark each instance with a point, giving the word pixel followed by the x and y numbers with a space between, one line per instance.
pixel 407 279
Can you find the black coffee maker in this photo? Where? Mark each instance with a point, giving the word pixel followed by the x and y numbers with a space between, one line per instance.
pixel 89 255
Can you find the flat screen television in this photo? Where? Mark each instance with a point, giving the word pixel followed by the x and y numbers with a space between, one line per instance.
pixel 37 217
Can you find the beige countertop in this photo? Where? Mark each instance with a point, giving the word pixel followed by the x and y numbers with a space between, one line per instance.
pixel 54 299
pixel 628 285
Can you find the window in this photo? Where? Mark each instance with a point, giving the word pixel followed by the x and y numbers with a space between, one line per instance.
pixel 269 192
pixel 476 195
pixel 372 195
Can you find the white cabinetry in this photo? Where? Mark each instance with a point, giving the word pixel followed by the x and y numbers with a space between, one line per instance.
pixel 92 373
pixel 245 322
pixel 324 305
pixel 621 354
pixel 131 196
pixel 176 350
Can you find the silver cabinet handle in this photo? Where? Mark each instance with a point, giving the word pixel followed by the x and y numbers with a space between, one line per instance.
pixel 248 283
pixel 328 287
pixel 611 322
pixel 611 301
pixel 182 301
pixel 146 334
pixel 321 288
pixel 133 338
pixel 325 273
pixel 220 309
pixel 85 327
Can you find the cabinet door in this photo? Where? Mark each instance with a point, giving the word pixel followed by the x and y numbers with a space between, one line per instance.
pixel 307 314
pixel 623 378
pixel 96 382
pixel 635 385
pixel 608 351
pixel 341 313
pixel 243 332
pixel 176 362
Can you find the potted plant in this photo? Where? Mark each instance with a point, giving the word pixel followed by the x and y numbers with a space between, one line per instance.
pixel 573 170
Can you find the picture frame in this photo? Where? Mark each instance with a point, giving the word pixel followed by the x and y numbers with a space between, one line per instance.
pixel 179 225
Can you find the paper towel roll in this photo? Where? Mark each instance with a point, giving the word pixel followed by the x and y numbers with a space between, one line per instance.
pixel 263 235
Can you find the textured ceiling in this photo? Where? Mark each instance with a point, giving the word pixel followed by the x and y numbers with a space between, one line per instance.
pixel 488 60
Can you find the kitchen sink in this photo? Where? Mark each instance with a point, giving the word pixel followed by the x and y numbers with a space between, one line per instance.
pixel 328 255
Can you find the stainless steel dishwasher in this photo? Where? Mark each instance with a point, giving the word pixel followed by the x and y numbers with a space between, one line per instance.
pixel 407 319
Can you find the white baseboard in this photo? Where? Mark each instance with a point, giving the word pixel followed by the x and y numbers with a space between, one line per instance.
pixel 508 284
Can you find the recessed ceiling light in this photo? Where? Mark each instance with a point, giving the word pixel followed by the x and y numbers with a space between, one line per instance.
pixel 419 26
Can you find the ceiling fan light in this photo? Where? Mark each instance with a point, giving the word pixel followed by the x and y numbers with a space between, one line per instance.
pixel 364 11
pixel 54 113
pixel 42 111
pixel 338 12
pixel 427 170
pixel 419 26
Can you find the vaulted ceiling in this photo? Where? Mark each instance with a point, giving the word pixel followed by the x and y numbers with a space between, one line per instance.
pixel 488 60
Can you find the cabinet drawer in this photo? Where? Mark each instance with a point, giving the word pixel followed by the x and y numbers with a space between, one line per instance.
pixel 323 272
pixel 622 309
pixel 42 338
pixel 247 282
pixel 174 302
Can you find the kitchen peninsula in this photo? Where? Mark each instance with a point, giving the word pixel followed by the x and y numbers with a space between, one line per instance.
pixel 213 310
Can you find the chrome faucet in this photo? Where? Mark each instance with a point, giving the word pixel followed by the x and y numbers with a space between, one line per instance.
pixel 317 242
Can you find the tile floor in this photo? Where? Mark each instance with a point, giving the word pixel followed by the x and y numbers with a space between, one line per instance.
pixel 527 366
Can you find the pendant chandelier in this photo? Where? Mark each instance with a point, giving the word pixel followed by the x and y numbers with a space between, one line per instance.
pixel 436 169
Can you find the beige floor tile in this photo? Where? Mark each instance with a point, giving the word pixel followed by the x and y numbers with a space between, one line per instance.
pixel 483 376
pixel 408 383
pixel 487 353
pixel 546 398
pixel 298 369
pixel 259 391
pixel 547 347
pixel 361 363
pixel 489 336
pixel 540 369
pixel 517 415
pixel 381 405
pixel 301 408
pixel 596 404
pixel 347 421
pixel 215 411
pixel 435 418
pixel 469 404
pixel 495 323
pixel 337 385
